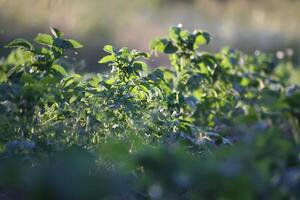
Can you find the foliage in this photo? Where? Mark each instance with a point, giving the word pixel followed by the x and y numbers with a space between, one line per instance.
pixel 210 126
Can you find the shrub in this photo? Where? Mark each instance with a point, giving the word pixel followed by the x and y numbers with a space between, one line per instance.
pixel 209 126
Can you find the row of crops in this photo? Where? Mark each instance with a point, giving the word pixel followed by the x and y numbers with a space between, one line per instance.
pixel 207 126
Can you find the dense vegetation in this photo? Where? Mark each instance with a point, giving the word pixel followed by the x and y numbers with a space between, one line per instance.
pixel 209 126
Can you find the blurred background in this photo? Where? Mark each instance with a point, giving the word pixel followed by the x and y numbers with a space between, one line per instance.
pixel 268 25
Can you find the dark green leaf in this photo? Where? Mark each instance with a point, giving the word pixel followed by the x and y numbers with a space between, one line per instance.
pixel 174 32
pixel 20 43
pixel 170 48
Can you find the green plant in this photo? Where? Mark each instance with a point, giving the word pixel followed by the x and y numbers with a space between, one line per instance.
pixel 201 128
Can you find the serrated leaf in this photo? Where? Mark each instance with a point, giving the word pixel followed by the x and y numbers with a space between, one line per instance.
pixel 20 43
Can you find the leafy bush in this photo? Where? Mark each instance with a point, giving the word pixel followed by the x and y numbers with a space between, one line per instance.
pixel 209 126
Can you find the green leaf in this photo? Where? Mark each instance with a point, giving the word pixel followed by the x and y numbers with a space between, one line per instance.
pixel 174 32
pixel 3 77
pixel 106 59
pixel 170 48
pixel 59 69
pixel 207 37
pixel 201 38
pixel 72 99
pixel 125 51
pixel 15 69
pixel 74 44
pixel 95 80
pixel 141 54
pixel 158 45
pixel 56 33
pixel 57 51
pixel 139 66
pixel 28 78
pixel 109 49
pixel 184 34
pixel 71 79
pixel 44 39
pixel 195 80
pixel 20 43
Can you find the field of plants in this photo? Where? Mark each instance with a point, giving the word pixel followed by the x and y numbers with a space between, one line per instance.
pixel 205 126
